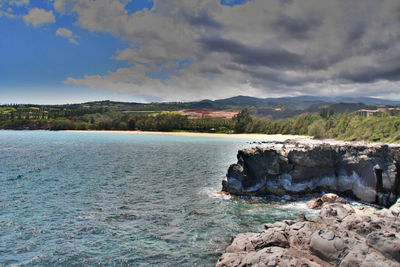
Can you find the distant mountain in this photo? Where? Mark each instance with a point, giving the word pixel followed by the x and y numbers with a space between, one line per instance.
pixel 282 107
pixel 286 107
pixel 242 100
pixel 275 108
pixel 367 100
pixel 342 99
pixel 246 100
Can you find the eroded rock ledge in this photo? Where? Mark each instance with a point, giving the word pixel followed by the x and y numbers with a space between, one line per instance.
pixel 366 172
pixel 341 236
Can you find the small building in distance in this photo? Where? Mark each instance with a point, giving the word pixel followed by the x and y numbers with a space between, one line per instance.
pixel 379 110
pixel 383 108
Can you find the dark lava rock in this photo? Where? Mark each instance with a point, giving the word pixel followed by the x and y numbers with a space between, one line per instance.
pixel 370 173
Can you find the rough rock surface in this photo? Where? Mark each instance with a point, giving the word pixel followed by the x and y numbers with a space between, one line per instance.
pixel 367 172
pixel 342 235
pixel 326 198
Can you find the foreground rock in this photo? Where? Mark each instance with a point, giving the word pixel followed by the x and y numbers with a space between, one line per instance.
pixel 326 198
pixel 341 236
pixel 369 173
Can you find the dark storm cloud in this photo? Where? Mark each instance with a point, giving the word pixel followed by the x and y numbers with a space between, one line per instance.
pixel 297 28
pixel 371 74
pixel 265 77
pixel 204 20
pixel 258 46
pixel 356 32
pixel 275 58
pixel 252 56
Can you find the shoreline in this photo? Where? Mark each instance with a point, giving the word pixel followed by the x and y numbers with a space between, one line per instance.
pixel 269 138
pixel 301 139
pixel 274 137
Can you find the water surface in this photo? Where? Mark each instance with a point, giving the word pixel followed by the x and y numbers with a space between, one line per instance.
pixel 90 199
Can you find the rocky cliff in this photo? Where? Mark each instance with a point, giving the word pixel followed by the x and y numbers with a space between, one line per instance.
pixel 366 172
pixel 343 235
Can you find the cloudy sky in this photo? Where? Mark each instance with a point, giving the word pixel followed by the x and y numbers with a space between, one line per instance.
pixel 63 51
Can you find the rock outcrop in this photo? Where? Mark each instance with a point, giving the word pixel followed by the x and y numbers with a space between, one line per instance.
pixel 326 198
pixel 370 173
pixel 342 235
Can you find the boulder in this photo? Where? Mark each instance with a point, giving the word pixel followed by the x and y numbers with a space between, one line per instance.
pixel 340 236
pixel 276 226
pixel 270 256
pixel 270 238
pixel 315 203
pixel 388 243
pixel 337 211
pixel 242 242
pixel 326 198
pixel 333 198
pixel 395 209
pixel 326 245
pixel 363 257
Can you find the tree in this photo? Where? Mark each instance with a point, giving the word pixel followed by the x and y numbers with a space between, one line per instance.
pixel 317 129
pixel 132 124
pixel 241 120
pixel 324 113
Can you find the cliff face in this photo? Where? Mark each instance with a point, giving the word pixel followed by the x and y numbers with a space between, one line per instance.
pixel 370 173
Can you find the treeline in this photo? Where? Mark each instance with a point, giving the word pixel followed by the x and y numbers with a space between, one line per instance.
pixel 346 126
pixel 325 124
pixel 20 112
pixel 118 121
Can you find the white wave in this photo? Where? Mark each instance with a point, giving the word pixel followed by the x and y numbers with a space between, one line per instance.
pixel 214 193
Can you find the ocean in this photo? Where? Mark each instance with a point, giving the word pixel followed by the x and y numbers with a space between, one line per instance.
pixel 101 199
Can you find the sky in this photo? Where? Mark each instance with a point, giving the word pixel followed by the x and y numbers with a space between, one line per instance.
pixel 71 51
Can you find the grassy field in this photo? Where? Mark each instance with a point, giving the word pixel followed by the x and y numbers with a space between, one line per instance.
pixel 5 110
pixel 152 112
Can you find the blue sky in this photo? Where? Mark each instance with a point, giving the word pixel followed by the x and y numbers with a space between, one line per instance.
pixel 58 51
pixel 35 61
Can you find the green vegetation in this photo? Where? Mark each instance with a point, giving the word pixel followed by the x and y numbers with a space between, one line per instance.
pixel 343 126
pixel 241 121
pixel 351 127
pixel 106 115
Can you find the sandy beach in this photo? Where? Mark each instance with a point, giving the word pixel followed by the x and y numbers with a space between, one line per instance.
pixel 266 137
pixel 306 140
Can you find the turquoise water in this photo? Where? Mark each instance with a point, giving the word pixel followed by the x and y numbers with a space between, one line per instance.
pixel 94 199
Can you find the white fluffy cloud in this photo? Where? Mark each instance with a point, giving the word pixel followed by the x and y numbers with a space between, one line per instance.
pixel 261 48
pixel 59 6
pixel 37 17
pixel 64 32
